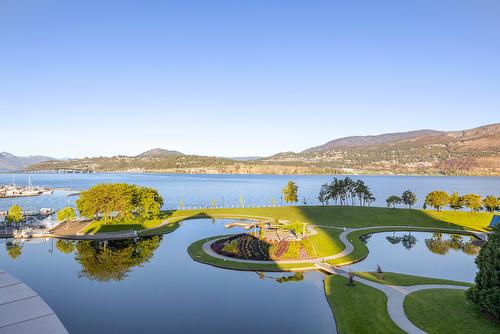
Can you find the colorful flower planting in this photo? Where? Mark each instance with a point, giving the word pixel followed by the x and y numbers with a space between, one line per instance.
pixel 247 246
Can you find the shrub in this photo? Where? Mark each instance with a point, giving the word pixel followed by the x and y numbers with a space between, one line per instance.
pixel 486 292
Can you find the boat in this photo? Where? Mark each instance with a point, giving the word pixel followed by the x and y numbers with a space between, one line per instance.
pixel 9 191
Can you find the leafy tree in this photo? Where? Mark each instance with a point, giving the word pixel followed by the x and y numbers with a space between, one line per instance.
pixel 409 198
pixel 66 214
pixel 456 201
pixel 473 202
pixel 437 199
pixel 148 202
pixel 65 246
pixel 14 250
pixel 106 201
pixel 486 292
pixel 15 214
pixel 491 203
pixel 393 201
pixel 343 191
pixel 290 192
pixel 119 200
pixel 323 194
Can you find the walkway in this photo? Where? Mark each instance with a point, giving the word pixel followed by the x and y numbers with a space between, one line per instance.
pixel 395 296
pixel 349 247
pixel 72 231
pixel 22 311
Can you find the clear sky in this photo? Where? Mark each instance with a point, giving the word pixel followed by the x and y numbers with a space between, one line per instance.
pixel 238 78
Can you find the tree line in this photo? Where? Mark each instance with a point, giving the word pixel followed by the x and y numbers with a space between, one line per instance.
pixel 345 192
pixel 440 199
pixel 408 198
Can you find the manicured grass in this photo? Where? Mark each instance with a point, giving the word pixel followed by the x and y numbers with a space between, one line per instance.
pixel 340 216
pixel 358 309
pixel 405 280
pixel 447 311
pixel 164 229
pixel 195 250
pixel 129 225
pixel 350 216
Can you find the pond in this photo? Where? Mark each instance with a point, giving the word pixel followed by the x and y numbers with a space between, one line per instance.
pixel 437 255
pixel 153 286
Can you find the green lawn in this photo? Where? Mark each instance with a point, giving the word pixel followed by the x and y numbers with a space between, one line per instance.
pixel 340 216
pixel 349 216
pixel 405 280
pixel 447 311
pixel 129 225
pixel 358 309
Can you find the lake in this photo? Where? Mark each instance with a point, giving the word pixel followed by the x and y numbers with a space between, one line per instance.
pixel 154 286
pixel 198 190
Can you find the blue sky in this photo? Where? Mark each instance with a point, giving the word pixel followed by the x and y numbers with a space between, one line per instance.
pixel 236 78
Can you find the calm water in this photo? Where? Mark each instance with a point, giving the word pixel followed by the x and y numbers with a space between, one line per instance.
pixel 422 254
pixel 154 286
pixel 228 189
pixel 170 293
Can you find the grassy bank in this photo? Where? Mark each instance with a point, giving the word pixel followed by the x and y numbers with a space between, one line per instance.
pixel 447 311
pixel 349 216
pixel 338 216
pixel 406 280
pixel 358 309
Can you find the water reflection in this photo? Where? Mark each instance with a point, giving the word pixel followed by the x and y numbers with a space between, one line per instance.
pixel 439 245
pixel 65 246
pixel 283 278
pixel 14 250
pixel 408 241
pixel 444 255
pixel 110 260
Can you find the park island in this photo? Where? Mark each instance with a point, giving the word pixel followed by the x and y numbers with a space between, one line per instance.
pixel 114 229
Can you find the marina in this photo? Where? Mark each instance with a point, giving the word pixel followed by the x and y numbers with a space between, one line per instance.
pixel 12 191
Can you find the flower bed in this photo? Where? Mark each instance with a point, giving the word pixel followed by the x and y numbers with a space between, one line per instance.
pixel 247 246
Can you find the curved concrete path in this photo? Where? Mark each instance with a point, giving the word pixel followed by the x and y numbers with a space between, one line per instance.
pixel 395 296
pixel 23 311
pixel 349 247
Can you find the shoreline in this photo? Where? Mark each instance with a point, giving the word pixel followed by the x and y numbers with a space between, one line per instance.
pixel 169 172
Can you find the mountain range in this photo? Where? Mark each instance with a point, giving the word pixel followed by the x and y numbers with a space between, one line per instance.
pixel 466 152
pixel 10 162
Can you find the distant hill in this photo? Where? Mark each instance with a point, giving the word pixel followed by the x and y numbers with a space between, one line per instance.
pixel 365 141
pixel 467 152
pixel 423 152
pixel 159 152
pixel 12 163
